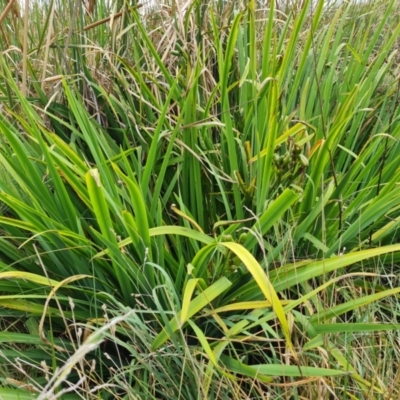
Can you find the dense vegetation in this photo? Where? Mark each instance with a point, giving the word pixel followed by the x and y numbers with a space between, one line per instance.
pixel 201 202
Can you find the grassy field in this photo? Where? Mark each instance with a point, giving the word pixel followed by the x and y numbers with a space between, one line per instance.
pixel 202 202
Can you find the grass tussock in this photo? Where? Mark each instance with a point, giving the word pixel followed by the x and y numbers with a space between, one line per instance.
pixel 200 201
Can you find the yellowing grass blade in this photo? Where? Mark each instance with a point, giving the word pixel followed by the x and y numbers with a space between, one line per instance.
pixel 265 285
pixel 187 218
pixel 189 289
pixel 51 294
pixel 28 307
pixel 27 276
pixel 19 224
pixel 195 306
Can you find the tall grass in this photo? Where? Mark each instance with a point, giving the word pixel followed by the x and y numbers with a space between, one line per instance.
pixel 200 202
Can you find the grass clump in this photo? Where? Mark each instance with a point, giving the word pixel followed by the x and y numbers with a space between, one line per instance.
pixel 200 202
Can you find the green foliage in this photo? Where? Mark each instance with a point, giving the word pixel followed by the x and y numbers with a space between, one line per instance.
pixel 204 204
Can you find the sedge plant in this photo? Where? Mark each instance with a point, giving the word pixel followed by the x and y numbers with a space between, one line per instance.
pixel 200 202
